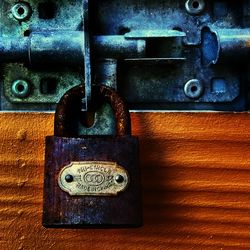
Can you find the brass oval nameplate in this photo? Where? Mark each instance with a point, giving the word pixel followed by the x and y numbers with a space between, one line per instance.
pixel 93 178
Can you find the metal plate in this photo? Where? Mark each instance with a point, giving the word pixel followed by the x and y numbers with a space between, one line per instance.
pixel 93 178
pixel 44 88
pixel 159 55
pixel 47 83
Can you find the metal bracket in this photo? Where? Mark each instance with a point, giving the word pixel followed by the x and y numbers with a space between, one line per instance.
pixel 159 55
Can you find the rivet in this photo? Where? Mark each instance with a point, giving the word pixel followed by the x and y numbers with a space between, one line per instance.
pixel 195 7
pixel 193 89
pixel 21 11
pixel 20 88
pixel 69 178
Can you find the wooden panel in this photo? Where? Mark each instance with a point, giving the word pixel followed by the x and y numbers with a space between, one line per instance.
pixel 196 172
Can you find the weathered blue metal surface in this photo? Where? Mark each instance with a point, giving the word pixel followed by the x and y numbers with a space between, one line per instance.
pixel 159 55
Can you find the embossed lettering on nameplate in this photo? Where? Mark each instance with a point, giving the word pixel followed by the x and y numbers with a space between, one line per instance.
pixel 88 178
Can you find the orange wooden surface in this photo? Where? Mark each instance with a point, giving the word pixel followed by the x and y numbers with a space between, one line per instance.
pixel 196 184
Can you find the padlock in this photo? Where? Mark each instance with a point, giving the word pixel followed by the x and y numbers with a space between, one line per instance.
pixel 91 181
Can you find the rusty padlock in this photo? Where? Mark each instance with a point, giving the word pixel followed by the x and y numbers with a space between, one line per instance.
pixel 91 181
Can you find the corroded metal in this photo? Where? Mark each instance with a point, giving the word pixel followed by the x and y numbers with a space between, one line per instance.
pixel 91 180
pixel 45 88
pixel 155 47
pixel 16 34
pixel 69 107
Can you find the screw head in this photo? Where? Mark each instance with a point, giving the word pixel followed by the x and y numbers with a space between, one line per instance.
pixel 195 7
pixel 119 179
pixel 193 89
pixel 20 88
pixel 21 11
pixel 69 178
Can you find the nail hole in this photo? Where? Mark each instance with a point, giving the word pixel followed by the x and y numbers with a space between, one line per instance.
pixel 26 33
pixel 48 86
pixel 47 10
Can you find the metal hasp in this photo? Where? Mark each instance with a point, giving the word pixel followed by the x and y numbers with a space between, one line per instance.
pixel 158 55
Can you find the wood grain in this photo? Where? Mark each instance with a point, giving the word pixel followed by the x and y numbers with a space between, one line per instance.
pixel 195 171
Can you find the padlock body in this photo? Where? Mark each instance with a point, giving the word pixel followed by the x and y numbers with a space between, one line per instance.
pixel 62 209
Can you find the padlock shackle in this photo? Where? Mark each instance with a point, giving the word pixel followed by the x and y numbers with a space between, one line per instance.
pixel 71 101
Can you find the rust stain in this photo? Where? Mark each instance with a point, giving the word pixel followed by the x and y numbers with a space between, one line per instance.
pixel 72 98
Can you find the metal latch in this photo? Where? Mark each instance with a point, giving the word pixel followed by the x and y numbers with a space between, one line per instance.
pixel 159 55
